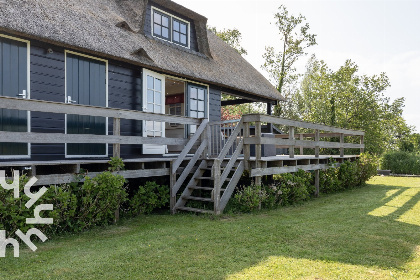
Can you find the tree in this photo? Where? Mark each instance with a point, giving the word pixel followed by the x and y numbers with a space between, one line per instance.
pixel 295 38
pixel 232 37
pixel 345 99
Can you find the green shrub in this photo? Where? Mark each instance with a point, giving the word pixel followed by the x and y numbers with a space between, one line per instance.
pixel 401 162
pixel 149 197
pixel 99 198
pixel 248 199
pixel 295 187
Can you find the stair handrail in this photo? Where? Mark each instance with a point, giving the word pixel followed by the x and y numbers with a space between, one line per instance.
pixel 219 178
pixel 189 145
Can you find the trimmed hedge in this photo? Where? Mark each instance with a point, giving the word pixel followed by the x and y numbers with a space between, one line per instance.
pixel 401 162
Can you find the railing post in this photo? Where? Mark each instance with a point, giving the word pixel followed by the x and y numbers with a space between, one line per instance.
pixel 172 181
pixel 216 191
pixel 209 137
pixel 317 156
pixel 116 153
pixel 258 151
pixel 291 137
pixel 117 132
pixel 341 144
pixel 317 144
pixel 301 147
pixel 362 150
pixel 247 148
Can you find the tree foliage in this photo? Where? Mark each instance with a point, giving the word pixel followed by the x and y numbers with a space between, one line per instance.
pixel 232 37
pixel 345 99
pixel 295 38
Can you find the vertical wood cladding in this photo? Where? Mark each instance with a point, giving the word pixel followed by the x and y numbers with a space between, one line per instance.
pixel 214 104
pixel 125 92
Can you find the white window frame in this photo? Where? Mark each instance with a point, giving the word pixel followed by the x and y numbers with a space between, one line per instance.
pixel 171 27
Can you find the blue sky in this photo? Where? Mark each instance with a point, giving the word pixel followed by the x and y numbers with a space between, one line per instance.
pixel 378 35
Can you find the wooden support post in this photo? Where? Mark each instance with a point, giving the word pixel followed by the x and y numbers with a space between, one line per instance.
pixel 362 150
pixel 117 132
pixel 247 147
pixel 341 144
pixel 216 190
pixel 291 137
pixel 258 152
pixel 317 144
pixel 301 147
pixel 317 183
pixel 172 181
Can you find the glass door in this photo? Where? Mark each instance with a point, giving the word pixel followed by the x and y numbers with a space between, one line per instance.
pixel 153 102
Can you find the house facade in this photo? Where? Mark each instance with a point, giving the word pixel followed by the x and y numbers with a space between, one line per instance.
pixel 151 56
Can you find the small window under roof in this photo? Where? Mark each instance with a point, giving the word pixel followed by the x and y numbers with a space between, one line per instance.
pixel 170 28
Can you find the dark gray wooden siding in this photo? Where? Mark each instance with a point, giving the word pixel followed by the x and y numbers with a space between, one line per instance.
pixel 47 83
pixel 148 21
pixel 125 92
pixel 214 104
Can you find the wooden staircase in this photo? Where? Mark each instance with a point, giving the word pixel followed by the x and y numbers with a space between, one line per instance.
pixel 214 180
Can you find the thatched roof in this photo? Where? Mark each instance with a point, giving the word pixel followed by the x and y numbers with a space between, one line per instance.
pixel 114 29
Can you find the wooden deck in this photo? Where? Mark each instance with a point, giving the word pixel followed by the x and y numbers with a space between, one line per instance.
pixel 213 159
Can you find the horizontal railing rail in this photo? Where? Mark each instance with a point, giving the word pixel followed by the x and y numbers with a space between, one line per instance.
pixel 87 110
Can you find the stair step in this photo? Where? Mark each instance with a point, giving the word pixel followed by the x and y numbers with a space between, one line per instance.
pixel 210 178
pixel 195 210
pixel 205 178
pixel 205 199
pixel 203 188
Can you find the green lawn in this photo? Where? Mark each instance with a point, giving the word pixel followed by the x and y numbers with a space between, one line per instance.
pixel 367 233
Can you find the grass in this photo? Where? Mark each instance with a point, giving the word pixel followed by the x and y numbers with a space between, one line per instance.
pixel 367 233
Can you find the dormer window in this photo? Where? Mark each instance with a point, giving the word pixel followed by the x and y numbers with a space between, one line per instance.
pixel 170 28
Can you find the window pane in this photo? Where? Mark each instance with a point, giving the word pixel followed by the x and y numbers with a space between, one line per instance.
pixel 150 96
pixel 158 98
pixel 165 21
pixel 157 30
pixel 183 39
pixel 193 103
pixel 201 94
pixel 176 25
pixel 176 37
pixel 201 106
pixel 183 28
pixel 193 92
pixel 200 115
pixel 158 84
pixel 149 128
pixel 157 18
pixel 150 84
pixel 193 129
pixel 193 114
pixel 165 32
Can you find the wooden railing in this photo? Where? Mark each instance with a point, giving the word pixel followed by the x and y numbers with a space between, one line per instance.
pixel 76 109
pixel 290 142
